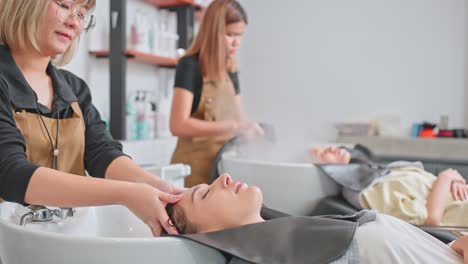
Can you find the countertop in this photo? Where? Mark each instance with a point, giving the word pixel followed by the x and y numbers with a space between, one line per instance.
pixel 443 149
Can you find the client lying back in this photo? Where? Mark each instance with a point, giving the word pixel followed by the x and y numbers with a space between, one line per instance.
pixel 226 215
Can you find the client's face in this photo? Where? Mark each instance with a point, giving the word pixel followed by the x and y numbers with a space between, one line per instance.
pixel 223 204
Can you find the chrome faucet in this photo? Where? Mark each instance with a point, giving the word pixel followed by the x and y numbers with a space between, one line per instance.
pixel 39 213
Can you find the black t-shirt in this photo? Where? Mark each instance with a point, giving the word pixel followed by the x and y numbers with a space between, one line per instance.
pixel 188 76
pixel 15 93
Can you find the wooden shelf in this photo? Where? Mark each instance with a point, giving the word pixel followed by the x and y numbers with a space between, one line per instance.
pixel 172 3
pixel 141 57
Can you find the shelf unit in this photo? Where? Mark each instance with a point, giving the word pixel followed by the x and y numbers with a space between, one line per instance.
pixel 172 3
pixel 118 53
pixel 142 57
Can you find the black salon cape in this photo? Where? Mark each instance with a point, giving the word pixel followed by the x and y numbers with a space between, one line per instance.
pixel 287 239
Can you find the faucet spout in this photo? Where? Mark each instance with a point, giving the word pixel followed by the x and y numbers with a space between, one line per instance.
pixel 26 218
pixel 38 213
pixel 64 213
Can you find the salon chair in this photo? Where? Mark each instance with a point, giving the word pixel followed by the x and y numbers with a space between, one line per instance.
pixel 332 204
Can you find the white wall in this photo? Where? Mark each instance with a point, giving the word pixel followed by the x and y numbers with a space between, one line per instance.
pixel 466 66
pixel 307 64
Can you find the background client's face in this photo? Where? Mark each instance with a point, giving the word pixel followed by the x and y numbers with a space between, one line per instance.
pixel 223 204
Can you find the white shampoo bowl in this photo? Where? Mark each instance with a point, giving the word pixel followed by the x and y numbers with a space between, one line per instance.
pixel 95 235
pixel 293 188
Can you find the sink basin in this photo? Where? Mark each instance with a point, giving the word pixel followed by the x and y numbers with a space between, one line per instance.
pixel 107 234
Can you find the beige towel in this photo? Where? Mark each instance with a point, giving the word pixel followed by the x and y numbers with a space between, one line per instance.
pixel 403 194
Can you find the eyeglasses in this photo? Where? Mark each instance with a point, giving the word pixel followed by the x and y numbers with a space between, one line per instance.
pixel 68 9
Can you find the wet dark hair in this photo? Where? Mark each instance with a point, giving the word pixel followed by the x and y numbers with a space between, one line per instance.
pixel 178 220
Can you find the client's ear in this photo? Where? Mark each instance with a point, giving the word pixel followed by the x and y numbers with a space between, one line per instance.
pixel 170 223
pixel 171 227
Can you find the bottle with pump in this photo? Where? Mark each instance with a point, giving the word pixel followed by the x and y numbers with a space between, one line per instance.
pixel 142 124
pixel 151 117
pixel 131 118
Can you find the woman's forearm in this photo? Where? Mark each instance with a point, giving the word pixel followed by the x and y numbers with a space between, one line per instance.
pixel 192 127
pixel 437 200
pixel 125 169
pixel 55 188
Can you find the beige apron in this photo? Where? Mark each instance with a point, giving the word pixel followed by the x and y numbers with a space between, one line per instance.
pixel 71 139
pixel 217 103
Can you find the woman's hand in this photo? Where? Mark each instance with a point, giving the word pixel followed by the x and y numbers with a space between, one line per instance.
pixel 148 204
pixel 458 186
pixel 332 155
pixel 249 130
pixel 452 175
pixel 461 247
pixel 167 187
pixel 459 191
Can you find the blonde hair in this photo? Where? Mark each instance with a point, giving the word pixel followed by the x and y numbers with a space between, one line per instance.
pixel 19 24
pixel 210 43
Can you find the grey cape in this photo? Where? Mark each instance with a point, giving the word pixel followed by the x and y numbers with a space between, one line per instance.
pixel 362 171
pixel 288 239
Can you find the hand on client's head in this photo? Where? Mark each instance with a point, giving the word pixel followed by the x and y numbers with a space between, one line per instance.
pixel 223 204
pixel 178 220
pixel 147 203
pixel 167 187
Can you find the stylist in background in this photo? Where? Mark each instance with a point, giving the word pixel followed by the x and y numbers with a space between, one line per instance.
pixel 50 132
pixel 206 110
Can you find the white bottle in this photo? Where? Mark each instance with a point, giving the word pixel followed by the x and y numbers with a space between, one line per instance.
pixel 134 34
pixel 140 42
pixel 156 39
pixel 174 40
pixel 162 125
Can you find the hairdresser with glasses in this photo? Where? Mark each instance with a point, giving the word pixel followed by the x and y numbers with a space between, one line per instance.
pixel 206 109
pixel 50 132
